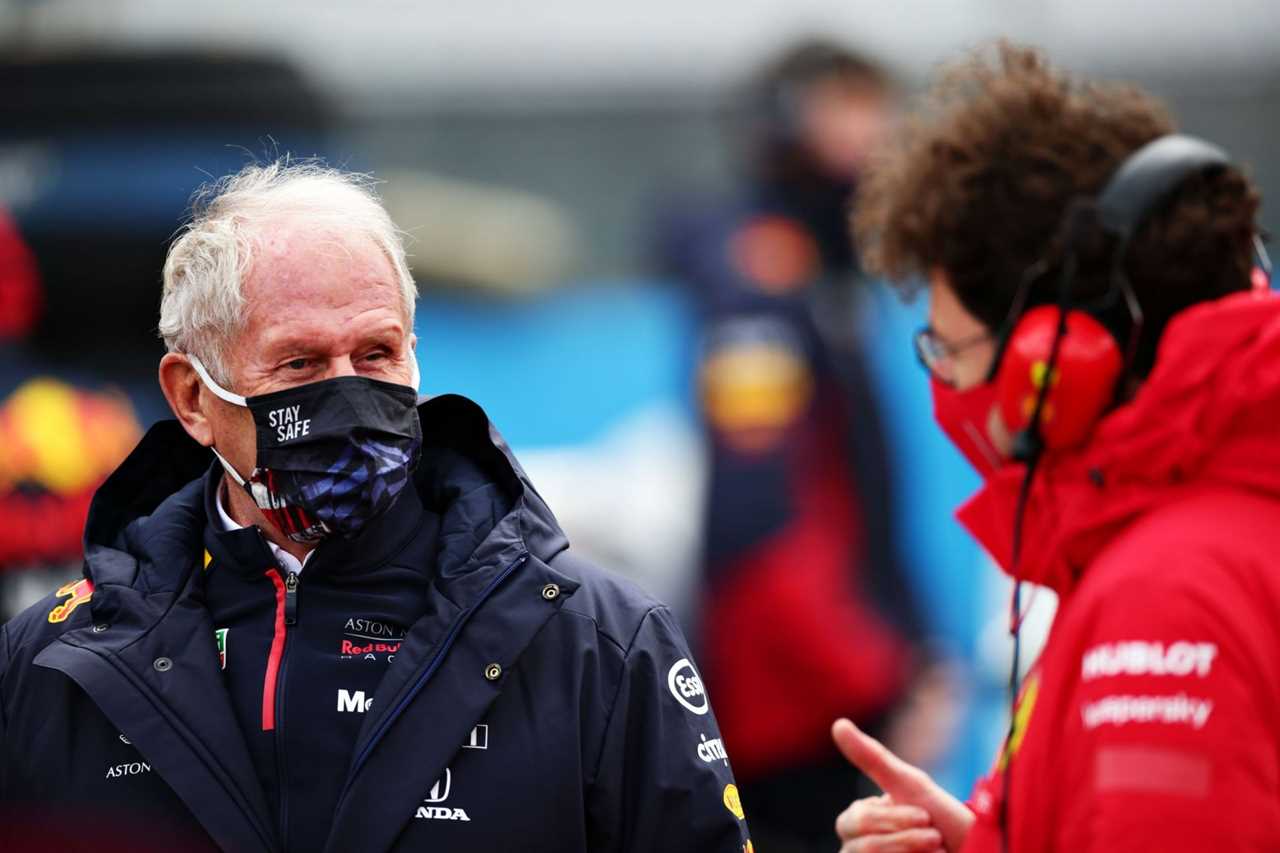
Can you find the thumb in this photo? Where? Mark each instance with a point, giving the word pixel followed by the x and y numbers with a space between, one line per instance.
pixel 894 776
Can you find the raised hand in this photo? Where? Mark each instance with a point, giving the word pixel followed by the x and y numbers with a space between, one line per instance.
pixel 915 814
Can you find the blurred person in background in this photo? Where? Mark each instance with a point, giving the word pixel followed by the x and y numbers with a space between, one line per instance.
pixel 317 614
pixel 78 138
pixel 807 609
pixel 1104 351
pixel 58 441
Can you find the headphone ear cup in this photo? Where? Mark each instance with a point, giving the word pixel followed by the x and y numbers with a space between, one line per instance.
pixel 1081 388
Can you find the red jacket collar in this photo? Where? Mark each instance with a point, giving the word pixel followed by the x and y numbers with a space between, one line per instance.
pixel 1206 416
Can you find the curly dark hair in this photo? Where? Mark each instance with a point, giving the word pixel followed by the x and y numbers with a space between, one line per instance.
pixel 977 184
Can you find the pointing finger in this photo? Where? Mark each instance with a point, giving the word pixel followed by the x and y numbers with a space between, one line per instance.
pixel 894 776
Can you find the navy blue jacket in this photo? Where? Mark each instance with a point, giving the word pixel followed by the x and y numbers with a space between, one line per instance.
pixel 452 680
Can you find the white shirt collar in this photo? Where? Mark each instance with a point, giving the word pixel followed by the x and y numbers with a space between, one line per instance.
pixel 287 561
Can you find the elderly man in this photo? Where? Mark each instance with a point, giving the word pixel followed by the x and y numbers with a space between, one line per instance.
pixel 307 623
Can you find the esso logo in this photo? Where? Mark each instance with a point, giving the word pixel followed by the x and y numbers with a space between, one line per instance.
pixel 686 686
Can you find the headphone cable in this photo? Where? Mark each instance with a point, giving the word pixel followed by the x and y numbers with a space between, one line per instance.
pixel 1028 448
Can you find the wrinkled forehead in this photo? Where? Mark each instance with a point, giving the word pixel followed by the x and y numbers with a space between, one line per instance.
pixel 308 280
pixel 301 241
pixel 300 260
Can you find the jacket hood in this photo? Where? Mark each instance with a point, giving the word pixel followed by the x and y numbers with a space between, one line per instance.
pixel 146 522
pixel 1206 417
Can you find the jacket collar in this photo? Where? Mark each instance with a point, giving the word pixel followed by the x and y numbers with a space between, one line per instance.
pixel 1205 417
pixel 151 513
pixel 246 549
pixel 143 551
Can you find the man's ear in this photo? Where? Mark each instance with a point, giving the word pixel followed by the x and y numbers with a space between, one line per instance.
pixel 181 387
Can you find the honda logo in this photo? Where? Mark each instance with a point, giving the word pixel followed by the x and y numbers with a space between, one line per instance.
pixel 440 790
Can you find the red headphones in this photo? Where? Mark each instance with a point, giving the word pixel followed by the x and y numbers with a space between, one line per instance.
pixel 1080 385
pixel 1059 366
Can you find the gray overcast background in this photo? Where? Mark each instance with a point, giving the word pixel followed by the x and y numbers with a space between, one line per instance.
pixel 599 108
pixel 386 48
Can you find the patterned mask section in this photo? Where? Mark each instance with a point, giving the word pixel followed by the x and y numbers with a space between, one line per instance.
pixel 332 455
pixel 362 483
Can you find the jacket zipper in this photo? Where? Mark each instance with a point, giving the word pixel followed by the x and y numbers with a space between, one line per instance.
pixel 291 599
pixel 286 584
pixel 425 676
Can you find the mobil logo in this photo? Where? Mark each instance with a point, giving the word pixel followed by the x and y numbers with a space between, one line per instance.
pixel 686 686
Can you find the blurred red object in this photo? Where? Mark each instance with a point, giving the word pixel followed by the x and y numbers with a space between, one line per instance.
pixel 57 444
pixel 124 827
pixel 20 295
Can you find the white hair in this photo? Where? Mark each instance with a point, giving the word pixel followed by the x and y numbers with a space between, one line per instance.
pixel 202 304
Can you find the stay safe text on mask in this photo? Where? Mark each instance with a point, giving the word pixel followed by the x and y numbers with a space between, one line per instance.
pixel 288 423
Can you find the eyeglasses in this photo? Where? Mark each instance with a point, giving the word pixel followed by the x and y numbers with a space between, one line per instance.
pixel 938 357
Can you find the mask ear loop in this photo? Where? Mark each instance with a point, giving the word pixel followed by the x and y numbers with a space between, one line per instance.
pixel 223 393
pixel 416 379
pixel 218 390
pixel 229 469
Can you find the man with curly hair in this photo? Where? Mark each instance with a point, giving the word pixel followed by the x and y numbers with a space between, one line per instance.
pixel 1149 721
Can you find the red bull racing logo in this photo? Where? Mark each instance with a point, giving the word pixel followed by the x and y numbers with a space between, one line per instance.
pixel 80 592
pixel 370 639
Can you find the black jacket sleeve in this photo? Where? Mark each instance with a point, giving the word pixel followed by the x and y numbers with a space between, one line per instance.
pixel 4 670
pixel 663 781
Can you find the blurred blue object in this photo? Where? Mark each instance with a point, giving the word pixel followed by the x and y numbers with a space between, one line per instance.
pixel 591 385
pixel 99 153
pixel 131 180
pixel 562 369
pixel 932 480
pixel 565 367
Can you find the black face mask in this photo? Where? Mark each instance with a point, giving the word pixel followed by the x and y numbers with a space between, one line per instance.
pixel 332 456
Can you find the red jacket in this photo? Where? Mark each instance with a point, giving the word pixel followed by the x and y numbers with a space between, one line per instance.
pixel 1152 719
